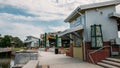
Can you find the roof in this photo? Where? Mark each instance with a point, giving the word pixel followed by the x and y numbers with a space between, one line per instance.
pixel 67 31
pixel 114 15
pixel 83 8
pixel 33 37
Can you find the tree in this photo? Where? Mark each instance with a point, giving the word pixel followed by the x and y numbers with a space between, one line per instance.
pixel 6 42
pixel 17 41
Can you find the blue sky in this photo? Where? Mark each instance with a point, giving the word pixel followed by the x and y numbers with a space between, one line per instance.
pixel 34 17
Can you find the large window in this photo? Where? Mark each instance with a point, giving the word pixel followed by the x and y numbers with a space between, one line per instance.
pixel 96 37
pixel 77 41
pixel 76 22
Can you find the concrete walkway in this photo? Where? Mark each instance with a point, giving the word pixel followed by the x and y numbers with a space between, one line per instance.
pixel 62 61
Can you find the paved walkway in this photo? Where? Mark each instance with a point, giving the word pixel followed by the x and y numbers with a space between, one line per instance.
pixel 62 61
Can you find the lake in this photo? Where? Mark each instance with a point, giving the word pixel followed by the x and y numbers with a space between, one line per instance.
pixel 6 63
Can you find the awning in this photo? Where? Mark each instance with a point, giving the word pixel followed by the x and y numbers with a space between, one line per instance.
pixel 67 31
pixel 114 15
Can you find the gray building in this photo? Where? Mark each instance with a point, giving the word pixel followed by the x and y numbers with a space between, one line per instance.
pixel 32 41
pixel 81 19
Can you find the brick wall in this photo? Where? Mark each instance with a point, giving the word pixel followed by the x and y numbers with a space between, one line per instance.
pixel 69 52
pixel 99 55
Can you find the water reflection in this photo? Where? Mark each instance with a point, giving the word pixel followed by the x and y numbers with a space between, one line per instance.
pixel 6 63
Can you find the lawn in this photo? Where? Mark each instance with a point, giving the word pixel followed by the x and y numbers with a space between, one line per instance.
pixel 20 48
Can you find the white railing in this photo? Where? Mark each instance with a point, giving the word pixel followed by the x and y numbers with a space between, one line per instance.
pixel 95 52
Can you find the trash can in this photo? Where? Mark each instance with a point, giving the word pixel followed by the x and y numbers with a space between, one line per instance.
pixel 56 50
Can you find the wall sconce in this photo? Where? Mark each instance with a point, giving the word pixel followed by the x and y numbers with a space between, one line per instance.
pixel 97 9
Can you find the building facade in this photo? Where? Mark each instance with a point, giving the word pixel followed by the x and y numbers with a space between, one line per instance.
pixel 81 20
pixel 32 42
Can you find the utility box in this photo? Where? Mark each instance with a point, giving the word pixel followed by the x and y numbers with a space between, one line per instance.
pixel 118 41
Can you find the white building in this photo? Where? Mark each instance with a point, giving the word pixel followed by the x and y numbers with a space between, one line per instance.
pixel 81 19
pixel 32 41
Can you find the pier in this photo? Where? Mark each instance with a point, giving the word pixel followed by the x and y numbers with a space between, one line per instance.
pixel 26 58
pixel 5 52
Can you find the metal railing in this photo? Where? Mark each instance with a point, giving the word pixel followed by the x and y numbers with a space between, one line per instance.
pixel 95 52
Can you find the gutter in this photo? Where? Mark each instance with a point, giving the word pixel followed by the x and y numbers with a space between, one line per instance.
pixel 71 15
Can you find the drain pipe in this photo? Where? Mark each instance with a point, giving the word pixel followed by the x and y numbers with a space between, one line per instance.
pixel 83 35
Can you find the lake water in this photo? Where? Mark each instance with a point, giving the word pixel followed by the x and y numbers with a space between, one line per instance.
pixel 20 58
pixel 6 63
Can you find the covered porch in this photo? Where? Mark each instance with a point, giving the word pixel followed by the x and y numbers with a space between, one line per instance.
pixel 76 41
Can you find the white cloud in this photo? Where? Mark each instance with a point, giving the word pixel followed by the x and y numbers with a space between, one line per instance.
pixel 41 7
pixel 45 10
pixel 38 7
pixel 59 28
pixel 21 30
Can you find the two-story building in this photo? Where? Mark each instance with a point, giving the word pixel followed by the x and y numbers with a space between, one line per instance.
pixel 49 40
pixel 81 21
pixel 32 42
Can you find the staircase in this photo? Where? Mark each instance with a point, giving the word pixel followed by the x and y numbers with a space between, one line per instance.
pixel 110 63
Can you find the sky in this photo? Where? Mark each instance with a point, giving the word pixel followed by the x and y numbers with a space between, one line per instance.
pixel 22 18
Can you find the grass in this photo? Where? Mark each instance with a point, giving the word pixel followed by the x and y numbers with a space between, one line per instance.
pixel 17 49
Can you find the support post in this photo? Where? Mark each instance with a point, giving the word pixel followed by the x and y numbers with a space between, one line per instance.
pixel 45 39
pixel 56 45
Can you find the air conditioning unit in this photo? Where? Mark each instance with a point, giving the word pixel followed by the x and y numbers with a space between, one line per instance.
pixel 117 41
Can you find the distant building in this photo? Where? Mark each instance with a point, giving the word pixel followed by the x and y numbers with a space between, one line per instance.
pixel 81 21
pixel 32 41
pixel 50 40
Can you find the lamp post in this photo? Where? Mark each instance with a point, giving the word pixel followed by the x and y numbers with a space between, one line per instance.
pixel 56 45
pixel 45 40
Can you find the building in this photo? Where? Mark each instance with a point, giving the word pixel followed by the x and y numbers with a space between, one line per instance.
pixel 81 21
pixel 32 42
pixel 49 40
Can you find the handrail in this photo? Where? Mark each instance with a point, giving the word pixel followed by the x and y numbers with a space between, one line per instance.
pixel 95 52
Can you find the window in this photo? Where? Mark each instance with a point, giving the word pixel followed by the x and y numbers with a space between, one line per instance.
pixel 76 22
pixel 77 41
pixel 96 37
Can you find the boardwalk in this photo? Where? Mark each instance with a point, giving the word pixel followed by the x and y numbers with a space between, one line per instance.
pixel 62 61
pixel 5 50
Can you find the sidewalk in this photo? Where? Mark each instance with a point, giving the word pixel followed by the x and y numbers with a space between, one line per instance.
pixel 62 61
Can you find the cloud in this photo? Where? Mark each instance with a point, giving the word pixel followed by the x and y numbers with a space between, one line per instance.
pixel 59 28
pixel 13 10
pixel 22 26
pixel 21 30
pixel 34 17
pixel 46 9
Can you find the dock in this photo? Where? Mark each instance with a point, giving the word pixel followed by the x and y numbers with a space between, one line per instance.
pixel 5 50
pixel 26 58
pixel 31 64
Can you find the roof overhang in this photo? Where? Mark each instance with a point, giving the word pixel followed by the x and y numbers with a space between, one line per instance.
pixel 67 31
pixel 114 15
pixel 83 8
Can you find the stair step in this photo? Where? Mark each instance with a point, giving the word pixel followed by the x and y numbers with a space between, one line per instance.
pixel 111 63
pixel 113 59
pixel 106 65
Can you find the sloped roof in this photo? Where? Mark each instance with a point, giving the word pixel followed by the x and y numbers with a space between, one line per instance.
pixel 67 31
pixel 82 8
pixel 33 37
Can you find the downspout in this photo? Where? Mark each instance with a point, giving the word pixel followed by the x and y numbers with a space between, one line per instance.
pixel 83 35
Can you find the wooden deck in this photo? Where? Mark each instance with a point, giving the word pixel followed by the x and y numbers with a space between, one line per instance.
pixel 31 64
pixel 5 50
